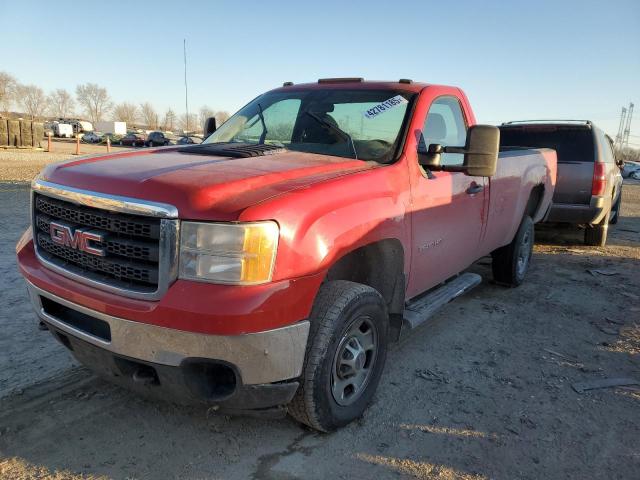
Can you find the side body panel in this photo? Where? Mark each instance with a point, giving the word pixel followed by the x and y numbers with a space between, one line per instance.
pixel 446 221
pixel 319 225
pixel 519 172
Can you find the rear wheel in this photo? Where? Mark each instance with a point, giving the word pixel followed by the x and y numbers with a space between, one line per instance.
pixel 346 352
pixel 615 211
pixel 511 262
pixel 596 235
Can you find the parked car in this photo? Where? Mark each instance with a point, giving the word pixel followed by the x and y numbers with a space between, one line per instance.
pixel 133 140
pixel 188 140
pixel 589 188
pixel 92 137
pixel 266 270
pixel 113 138
pixel 157 139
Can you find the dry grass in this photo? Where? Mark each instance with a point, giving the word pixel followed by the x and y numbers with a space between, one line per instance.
pixel 18 469
pixel 22 165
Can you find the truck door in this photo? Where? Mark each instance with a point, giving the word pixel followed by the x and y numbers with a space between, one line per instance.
pixel 448 210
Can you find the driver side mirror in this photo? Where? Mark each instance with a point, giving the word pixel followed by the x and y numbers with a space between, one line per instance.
pixel 209 126
pixel 480 153
pixel 481 150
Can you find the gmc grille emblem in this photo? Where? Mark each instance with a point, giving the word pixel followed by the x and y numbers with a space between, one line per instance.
pixel 78 239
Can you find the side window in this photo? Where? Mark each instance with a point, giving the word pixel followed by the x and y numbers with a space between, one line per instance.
pixel 445 125
pixel 605 147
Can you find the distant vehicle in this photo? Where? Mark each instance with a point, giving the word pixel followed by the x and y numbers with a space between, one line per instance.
pixel 85 126
pixel 186 140
pixel 48 129
pixel 589 187
pixel 157 139
pixel 63 130
pixel 133 140
pixel 117 128
pixel 92 137
pixel 114 139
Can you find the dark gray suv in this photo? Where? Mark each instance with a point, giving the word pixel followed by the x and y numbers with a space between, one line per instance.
pixel 588 191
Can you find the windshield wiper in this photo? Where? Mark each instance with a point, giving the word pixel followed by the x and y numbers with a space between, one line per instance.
pixel 338 130
pixel 263 136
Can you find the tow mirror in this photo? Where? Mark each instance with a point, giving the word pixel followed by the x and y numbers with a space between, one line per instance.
pixel 209 126
pixel 480 153
pixel 481 150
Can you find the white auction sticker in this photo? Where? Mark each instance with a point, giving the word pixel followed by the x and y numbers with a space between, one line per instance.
pixel 384 106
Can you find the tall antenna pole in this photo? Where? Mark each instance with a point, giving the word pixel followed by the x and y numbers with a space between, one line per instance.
pixel 623 116
pixel 627 128
pixel 186 90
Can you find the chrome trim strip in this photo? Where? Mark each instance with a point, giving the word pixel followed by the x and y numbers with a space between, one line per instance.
pixel 105 201
pixel 263 357
pixel 169 244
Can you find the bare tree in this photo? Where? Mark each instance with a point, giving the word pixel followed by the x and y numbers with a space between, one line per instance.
pixel 169 120
pixel 221 117
pixel 126 112
pixel 8 86
pixel 33 100
pixel 189 124
pixel 61 103
pixel 205 112
pixel 149 115
pixel 95 101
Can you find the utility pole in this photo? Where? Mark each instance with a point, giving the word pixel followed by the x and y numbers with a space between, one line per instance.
pixel 627 128
pixel 623 117
pixel 186 91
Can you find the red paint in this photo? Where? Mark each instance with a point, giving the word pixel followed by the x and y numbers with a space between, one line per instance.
pixel 325 206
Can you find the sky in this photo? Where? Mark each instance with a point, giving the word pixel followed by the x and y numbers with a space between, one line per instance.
pixel 514 59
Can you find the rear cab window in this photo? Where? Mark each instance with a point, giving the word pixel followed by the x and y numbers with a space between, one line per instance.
pixel 572 143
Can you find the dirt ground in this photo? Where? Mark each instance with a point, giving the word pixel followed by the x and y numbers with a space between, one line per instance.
pixel 22 164
pixel 482 391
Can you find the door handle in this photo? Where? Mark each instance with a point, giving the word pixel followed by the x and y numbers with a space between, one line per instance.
pixel 474 188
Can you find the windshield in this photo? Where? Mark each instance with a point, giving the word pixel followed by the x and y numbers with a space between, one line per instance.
pixel 363 124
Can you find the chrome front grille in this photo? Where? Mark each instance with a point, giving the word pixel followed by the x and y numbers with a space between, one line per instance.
pixel 139 240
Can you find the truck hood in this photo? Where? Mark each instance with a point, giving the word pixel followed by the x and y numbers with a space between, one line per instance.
pixel 204 187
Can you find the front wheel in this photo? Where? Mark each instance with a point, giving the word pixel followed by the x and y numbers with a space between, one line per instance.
pixel 511 262
pixel 346 352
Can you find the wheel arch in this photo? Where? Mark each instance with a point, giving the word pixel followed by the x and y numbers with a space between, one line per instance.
pixel 534 203
pixel 380 265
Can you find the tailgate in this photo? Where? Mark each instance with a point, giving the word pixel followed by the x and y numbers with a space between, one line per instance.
pixel 574 182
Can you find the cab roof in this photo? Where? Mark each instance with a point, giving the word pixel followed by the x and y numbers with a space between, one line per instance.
pixel 355 83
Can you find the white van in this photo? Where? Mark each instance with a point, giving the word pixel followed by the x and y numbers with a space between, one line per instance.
pixel 62 130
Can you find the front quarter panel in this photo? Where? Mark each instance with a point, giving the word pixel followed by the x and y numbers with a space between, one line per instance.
pixel 323 222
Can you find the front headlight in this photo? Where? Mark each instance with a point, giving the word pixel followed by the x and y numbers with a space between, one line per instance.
pixel 236 253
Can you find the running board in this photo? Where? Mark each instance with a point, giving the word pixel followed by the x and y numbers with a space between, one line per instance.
pixel 420 310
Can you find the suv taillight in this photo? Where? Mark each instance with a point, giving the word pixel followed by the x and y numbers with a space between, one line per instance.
pixel 599 183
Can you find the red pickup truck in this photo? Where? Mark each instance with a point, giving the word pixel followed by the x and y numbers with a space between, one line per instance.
pixel 268 268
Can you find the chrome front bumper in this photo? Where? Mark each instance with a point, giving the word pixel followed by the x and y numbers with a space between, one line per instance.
pixel 263 357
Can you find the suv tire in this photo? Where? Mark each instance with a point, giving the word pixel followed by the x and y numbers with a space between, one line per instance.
pixel 511 262
pixel 615 211
pixel 596 235
pixel 345 356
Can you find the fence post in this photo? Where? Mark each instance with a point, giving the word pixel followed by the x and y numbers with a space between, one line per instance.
pixel 48 141
pixel 77 144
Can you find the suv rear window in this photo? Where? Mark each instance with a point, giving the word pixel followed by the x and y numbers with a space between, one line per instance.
pixel 571 144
